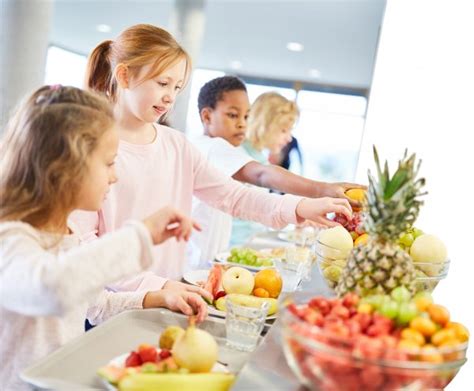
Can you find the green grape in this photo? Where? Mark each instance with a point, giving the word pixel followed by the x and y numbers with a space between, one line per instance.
pixel 400 294
pixel 389 309
pixel 234 251
pixel 375 300
pixel 406 312
pixel 406 239
pixel 417 232
pixel 267 262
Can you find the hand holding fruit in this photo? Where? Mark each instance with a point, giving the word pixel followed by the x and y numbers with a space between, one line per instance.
pixel 169 222
pixel 188 303
pixel 316 209
pixel 344 190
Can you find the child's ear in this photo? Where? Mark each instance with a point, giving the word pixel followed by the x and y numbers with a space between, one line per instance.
pixel 121 75
pixel 206 115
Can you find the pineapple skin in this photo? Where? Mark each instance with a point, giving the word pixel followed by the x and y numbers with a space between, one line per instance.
pixel 377 268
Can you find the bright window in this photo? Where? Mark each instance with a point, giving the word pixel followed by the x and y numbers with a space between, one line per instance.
pixel 64 67
pixel 329 134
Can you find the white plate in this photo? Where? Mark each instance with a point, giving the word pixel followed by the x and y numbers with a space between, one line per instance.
pixel 195 276
pixel 119 361
pixel 222 259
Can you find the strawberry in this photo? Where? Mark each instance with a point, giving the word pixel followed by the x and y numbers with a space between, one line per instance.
pixel 164 354
pixel 313 317
pixel 219 294
pixel 350 300
pixel 340 311
pixel 147 353
pixel 320 303
pixel 133 360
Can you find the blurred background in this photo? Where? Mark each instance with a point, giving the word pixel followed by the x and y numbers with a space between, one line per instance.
pixel 320 53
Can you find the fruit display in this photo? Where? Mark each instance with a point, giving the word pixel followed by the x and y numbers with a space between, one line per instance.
pixel 244 287
pixel 249 257
pixel 355 226
pixel 392 207
pixel 184 361
pixel 381 342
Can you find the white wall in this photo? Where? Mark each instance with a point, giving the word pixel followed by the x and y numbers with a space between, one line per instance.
pixel 422 98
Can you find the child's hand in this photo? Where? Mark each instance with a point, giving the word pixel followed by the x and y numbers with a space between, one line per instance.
pixel 316 209
pixel 169 222
pixel 338 190
pixel 179 286
pixel 188 303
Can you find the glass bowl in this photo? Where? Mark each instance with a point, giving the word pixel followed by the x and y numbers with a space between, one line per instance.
pixel 327 362
pixel 332 261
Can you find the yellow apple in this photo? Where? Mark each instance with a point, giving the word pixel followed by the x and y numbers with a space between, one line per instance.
pixel 238 280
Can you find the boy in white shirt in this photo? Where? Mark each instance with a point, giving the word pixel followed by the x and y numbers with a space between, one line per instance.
pixel 224 108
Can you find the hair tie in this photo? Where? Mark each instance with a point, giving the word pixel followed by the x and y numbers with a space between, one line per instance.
pixel 55 87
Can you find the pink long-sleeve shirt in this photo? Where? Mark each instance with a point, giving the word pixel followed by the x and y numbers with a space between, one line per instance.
pixel 169 171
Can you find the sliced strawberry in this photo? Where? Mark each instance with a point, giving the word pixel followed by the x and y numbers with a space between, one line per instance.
pixel 219 295
pixel 164 354
pixel 147 353
pixel 133 360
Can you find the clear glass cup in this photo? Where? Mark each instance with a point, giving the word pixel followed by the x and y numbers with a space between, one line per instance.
pixel 244 325
pixel 292 269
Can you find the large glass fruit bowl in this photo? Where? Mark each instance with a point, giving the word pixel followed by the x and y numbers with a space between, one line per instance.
pixel 327 362
pixel 332 261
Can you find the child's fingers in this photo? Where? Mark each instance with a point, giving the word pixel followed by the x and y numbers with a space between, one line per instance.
pixel 199 306
pixel 196 226
pixel 184 307
pixel 199 291
pixel 343 210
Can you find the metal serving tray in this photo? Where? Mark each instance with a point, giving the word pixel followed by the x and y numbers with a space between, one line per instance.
pixel 74 366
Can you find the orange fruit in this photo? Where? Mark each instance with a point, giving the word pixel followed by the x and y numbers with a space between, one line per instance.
pixel 438 314
pixel 442 336
pixel 361 240
pixel 413 336
pixel 425 326
pixel 356 194
pixel 270 280
pixel 462 334
pixel 260 292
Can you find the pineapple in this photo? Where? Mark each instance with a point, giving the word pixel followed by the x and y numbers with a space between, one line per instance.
pixel 392 206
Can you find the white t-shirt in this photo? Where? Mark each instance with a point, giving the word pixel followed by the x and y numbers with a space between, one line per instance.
pixel 216 225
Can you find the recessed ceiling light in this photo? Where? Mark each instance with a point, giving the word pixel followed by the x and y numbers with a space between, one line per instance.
pixel 315 73
pixel 235 64
pixel 295 46
pixel 103 28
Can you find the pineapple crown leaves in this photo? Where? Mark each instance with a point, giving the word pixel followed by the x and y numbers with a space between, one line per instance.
pixel 393 202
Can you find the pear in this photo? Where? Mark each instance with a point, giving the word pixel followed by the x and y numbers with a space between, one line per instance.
pixel 196 350
pixel 169 336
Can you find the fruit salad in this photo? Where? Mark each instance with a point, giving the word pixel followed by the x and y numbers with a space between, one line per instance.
pixel 184 359
pixel 382 342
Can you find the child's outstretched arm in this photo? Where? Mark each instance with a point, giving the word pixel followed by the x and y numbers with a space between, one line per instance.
pixel 230 196
pixel 277 178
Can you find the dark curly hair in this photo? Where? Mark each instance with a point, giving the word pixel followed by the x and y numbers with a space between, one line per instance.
pixel 212 91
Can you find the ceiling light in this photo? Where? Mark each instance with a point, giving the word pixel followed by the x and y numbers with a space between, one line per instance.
pixel 295 46
pixel 235 64
pixel 315 73
pixel 103 28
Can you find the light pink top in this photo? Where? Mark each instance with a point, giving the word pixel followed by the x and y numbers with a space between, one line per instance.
pixel 46 282
pixel 169 171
